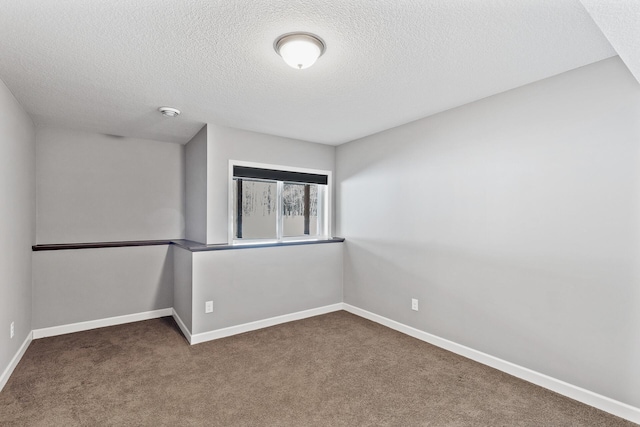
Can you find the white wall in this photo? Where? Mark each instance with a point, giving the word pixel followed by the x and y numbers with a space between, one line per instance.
pixel 72 286
pixel 226 144
pixel 94 188
pixel 253 284
pixel 196 187
pixel 17 224
pixel 515 221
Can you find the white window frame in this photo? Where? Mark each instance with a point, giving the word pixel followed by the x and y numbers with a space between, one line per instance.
pixel 326 207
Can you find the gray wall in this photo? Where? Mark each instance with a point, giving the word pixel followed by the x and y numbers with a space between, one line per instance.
pixel 196 187
pixel 182 282
pixel 17 223
pixel 255 284
pixel 226 144
pixel 93 187
pixel 515 222
pixel 73 286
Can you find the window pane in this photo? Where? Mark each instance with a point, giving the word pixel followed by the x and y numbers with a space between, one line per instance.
pixel 299 209
pixel 258 213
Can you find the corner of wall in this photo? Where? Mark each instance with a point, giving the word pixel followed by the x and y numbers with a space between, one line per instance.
pixel 196 178
pixel 17 226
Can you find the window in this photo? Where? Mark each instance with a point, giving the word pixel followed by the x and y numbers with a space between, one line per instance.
pixel 273 203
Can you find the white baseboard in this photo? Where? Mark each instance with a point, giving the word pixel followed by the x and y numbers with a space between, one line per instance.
pixel 14 362
pixel 590 398
pixel 265 323
pixel 100 323
pixel 182 326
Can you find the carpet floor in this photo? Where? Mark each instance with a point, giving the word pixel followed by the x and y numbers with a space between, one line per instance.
pixel 332 370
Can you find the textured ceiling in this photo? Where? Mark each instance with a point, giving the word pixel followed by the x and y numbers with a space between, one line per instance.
pixel 619 20
pixel 107 65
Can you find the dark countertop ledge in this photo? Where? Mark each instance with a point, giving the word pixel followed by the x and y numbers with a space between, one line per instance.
pixel 184 244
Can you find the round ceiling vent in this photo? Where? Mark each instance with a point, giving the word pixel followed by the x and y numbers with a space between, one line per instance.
pixel 169 112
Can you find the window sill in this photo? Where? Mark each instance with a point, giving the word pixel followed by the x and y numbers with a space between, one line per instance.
pixel 199 247
pixel 185 244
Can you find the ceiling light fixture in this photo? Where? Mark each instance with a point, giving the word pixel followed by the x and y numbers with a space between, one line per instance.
pixel 299 50
pixel 169 112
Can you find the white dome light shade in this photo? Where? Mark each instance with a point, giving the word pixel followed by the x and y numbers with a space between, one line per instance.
pixel 299 50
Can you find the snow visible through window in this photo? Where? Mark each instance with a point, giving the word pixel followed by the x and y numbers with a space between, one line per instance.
pixel 260 209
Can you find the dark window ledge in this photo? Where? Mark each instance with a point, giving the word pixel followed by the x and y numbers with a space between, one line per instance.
pixel 185 244
pixel 200 247
pixel 94 245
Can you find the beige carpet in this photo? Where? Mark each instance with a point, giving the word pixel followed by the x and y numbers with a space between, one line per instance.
pixel 331 370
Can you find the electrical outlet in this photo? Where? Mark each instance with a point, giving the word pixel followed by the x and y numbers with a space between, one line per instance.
pixel 414 304
pixel 13 332
pixel 208 307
